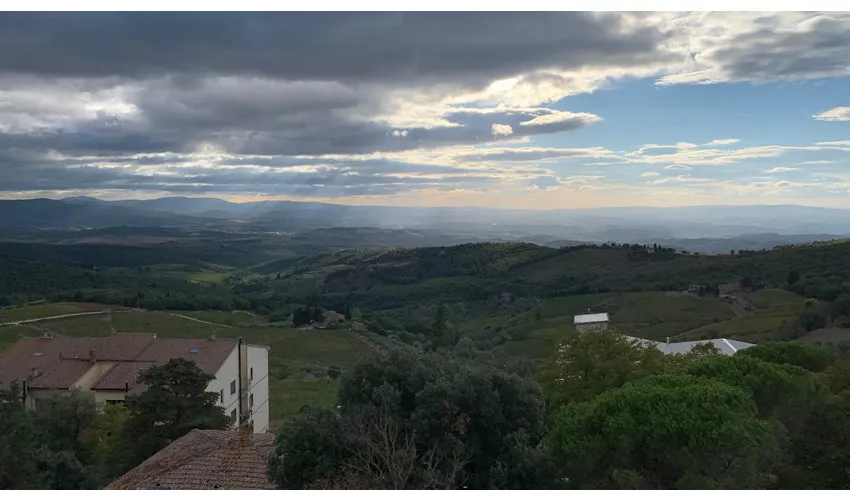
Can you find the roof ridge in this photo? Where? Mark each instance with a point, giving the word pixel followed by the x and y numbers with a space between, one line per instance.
pixel 106 374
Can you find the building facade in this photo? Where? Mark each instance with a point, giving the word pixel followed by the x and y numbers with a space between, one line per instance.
pixel 587 322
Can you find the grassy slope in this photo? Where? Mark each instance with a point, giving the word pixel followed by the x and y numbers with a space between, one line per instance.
pixel 770 308
pixel 654 315
pixel 8 315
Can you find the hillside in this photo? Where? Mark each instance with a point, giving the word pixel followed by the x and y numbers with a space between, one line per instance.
pixel 397 290
pixel 500 300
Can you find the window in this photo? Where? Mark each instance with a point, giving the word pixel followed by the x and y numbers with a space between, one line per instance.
pixel 233 417
pixel 251 373
pixel 233 387
pixel 221 394
pixel 251 401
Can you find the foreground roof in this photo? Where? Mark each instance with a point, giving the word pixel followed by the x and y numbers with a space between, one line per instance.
pixel 725 346
pixel 590 318
pixel 205 460
pixel 58 363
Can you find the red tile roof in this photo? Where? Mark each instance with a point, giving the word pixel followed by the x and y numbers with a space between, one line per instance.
pixel 59 362
pixel 121 377
pixel 205 460
pixel 61 375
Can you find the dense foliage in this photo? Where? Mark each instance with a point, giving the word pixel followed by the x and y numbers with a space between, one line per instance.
pixel 421 420
pixel 54 446
pixel 174 403
pixel 753 420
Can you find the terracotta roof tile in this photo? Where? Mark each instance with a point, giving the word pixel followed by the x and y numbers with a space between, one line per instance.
pixel 61 375
pixel 122 376
pixel 43 354
pixel 205 460
pixel 210 355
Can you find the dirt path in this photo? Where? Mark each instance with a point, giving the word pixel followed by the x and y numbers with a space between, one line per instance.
pixel 739 306
pixel 199 320
pixel 46 318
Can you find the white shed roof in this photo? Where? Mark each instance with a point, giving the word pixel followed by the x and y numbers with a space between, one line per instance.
pixel 725 346
pixel 590 318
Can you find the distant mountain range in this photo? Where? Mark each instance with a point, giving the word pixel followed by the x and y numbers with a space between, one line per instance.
pixel 711 229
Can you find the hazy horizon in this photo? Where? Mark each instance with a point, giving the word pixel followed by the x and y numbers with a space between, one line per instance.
pixel 340 203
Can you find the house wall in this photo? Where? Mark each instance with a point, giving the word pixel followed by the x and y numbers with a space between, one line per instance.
pixel 104 396
pixel 584 327
pixel 257 358
pixel 94 374
pixel 33 395
pixel 229 371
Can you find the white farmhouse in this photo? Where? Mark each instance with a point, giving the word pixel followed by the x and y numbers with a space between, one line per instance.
pixel 109 368
pixel 586 322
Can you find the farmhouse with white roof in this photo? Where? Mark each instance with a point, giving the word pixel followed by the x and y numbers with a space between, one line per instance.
pixel 586 322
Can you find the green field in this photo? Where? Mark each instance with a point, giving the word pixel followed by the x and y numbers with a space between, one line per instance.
pixel 747 328
pixel 9 315
pixel 194 273
pixel 288 396
pixel 650 315
pixel 828 335
pixel 776 302
pixel 230 318
pixel 770 308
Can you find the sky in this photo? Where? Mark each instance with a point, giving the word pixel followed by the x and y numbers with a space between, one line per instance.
pixel 515 110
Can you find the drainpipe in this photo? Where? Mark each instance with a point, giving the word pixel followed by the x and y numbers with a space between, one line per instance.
pixel 239 383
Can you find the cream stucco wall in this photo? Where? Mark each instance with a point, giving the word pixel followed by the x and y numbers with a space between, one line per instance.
pixel 94 374
pixel 228 372
pixel 104 396
pixel 258 385
pixel 584 327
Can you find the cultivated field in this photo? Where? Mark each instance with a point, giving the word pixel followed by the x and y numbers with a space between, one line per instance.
pixel 14 314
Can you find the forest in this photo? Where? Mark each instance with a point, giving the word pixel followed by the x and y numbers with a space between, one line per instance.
pixel 602 412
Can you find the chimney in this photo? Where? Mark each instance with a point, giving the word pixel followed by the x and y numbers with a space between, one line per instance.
pixel 212 336
pixel 127 386
pixel 34 372
pixel 668 340
pixel 92 356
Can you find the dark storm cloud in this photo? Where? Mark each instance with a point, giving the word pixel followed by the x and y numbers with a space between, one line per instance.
pixel 165 85
pixel 184 128
pixel 345 47
pixel 768 53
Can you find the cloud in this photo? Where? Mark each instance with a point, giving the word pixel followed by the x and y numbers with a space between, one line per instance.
pixel 502 130
pixel 817 162
pixel 526 154
pixel 777 170
pixel 711 156
pixel 650 174
pixel 840 114
pixel 723 142
pixel 759 47
pixel 362 104
pixel 425 48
